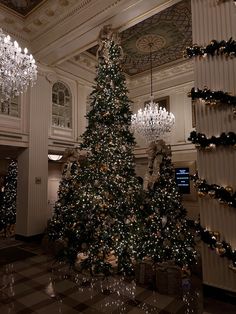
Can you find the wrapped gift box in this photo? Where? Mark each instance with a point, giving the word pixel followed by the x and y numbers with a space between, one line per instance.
pixel 168 279
pixel 145 273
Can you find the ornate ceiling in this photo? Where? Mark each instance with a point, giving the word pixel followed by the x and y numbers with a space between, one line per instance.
pixel 170 32
pixel 60 30
pixel 21 6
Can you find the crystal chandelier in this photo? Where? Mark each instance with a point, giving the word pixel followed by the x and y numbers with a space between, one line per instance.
pixel 153 121
pixel 17 69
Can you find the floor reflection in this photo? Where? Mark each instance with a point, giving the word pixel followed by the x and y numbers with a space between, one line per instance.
pixel 37 285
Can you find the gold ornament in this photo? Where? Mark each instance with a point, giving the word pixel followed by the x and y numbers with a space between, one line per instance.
pixel 201 194
pixel 229 189
pixel 219 244
pixel 212 193
pixel 212 146
pixel 103 205
pixel 103 167
pixel 222 202
pixel 166 243
pixel 215 235
pixel 234 111
pixel 220 251
pixel 213 103
pixel 232 267
pixel 199 181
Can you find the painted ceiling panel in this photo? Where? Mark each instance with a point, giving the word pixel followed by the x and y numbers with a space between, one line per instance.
pixel 21 6
pixel 170 31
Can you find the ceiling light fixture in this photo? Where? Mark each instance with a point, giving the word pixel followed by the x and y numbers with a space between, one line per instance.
pixel 153 121
pixel 17 69
pixel 54 157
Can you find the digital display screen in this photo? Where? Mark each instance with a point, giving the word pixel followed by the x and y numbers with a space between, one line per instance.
pixel 182 180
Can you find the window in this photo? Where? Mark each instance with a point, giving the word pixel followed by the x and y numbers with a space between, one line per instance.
pixel 10 107
pixel 61 106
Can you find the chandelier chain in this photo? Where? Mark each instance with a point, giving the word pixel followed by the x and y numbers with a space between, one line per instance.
pixel 150 45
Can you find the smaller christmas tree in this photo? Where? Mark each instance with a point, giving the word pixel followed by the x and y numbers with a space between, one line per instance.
pixel 165 235
pixel 8 207
pixel 64 217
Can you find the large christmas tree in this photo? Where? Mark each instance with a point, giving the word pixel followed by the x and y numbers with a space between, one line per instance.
pixel 8 206
pixel 165 235
pixel 105 200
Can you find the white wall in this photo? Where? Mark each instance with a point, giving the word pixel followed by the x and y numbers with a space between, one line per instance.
pixel 54 177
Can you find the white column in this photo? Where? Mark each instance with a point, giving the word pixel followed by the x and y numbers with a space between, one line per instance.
pixel 32 213
pixel 212 20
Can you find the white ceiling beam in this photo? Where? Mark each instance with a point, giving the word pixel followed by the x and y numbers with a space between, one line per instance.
pixel 79 32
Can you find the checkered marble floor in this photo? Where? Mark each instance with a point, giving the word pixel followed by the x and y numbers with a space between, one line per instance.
pixel 37 285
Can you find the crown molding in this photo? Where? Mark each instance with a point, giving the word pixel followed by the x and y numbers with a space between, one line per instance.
pixel 182 69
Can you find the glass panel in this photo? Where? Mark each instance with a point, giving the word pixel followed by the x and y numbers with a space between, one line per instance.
pixel 61 106
pixel 54 98
pixel 10 107
pixel 61 98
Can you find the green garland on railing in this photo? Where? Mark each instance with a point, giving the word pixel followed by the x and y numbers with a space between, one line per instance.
pixel 222 248
pixel 212 97
pixel 201 141
pixel 221 1
pixel 226 48
pixel 223 195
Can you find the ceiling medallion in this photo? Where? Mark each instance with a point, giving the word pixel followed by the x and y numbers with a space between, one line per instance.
pixel 143 43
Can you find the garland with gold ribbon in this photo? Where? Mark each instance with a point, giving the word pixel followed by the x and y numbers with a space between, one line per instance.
pixel 201 141
pixel 212 98
pixel 215 48
pixel 225 195
pixel 222 248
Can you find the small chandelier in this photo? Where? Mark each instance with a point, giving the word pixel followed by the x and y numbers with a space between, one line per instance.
pixel 153 121
pixel 17 69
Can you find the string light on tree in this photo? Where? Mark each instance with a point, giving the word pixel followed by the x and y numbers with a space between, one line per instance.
pixel 105 201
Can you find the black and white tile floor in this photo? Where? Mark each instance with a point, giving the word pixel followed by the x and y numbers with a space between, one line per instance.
pixel 36 285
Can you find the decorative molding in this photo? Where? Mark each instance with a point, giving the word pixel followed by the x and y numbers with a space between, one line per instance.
pixel 52 78
pixel 86 60
pixel 50 15
pixel 162 74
